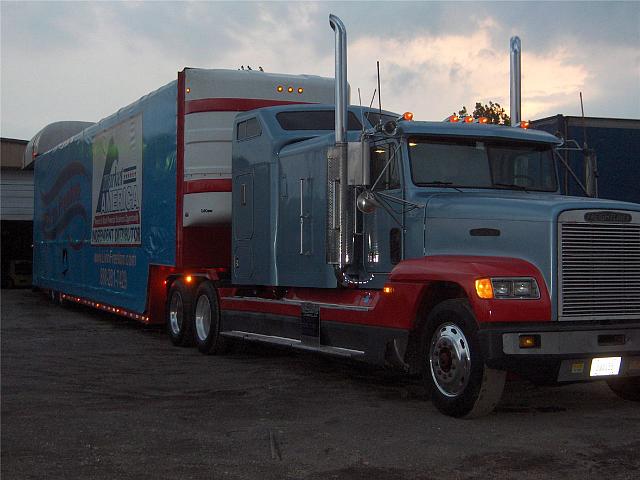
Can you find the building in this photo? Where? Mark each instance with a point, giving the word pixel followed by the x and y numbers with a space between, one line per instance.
pixel 16 210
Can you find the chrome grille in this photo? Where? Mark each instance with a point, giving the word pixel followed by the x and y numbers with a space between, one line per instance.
pixel 599 268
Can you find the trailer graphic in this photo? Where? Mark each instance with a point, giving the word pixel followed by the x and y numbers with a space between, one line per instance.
pixel 263 207
pixel 117 184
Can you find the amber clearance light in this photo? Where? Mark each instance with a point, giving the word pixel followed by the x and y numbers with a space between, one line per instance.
pixel 484 288
pixel 407 116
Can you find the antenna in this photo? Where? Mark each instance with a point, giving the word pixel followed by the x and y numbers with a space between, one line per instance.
pixel 590 159
pixel 373 97
pixel 584 124
pixel 361 111
pixel 379 99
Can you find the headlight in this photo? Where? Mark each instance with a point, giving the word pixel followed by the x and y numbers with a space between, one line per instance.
pixel 508 288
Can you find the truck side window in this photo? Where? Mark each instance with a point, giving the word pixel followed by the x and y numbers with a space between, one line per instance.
pixel 248 129
pixel 380 155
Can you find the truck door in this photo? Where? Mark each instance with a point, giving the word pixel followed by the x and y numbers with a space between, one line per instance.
pixel 383 228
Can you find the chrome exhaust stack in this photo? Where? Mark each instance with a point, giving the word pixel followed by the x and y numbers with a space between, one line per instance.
pixel 338 181
pixel 516 82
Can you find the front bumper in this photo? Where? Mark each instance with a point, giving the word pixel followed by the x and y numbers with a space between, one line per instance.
pixel 565 349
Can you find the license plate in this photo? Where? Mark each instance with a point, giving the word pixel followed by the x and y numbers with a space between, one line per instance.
pixel 605 366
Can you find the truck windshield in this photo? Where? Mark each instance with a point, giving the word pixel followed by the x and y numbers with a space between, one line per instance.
pixel 482 163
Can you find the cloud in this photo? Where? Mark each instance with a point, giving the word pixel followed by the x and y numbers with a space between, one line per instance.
pixel 459 69
pixel 86 60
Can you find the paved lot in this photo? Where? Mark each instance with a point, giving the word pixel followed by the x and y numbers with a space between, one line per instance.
pixel 88 395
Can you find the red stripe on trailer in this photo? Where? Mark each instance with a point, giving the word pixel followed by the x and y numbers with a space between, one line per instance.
pixel 232 104
pixel 180 168
pixel 208 185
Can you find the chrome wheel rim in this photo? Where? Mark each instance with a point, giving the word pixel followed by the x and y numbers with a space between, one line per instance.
pixel 450 360
pixel 175 313
pixel 203 317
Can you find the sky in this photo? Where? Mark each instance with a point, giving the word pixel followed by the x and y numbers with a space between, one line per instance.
pixel 85 60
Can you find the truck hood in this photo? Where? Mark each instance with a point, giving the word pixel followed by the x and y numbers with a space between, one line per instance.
pixel 508 206
pixel 519 225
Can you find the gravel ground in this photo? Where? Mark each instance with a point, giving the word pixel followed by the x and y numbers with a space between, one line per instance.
pixel 92 396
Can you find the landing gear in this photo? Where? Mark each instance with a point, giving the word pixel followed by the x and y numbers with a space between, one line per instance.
pixel 454 370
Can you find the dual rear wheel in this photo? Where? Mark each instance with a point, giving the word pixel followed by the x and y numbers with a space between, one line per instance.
pixel 193 317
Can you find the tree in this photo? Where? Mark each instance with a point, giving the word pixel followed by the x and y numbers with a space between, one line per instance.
pixel 494 112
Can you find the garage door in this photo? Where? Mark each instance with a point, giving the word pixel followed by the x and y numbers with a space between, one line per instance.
pixel 16 191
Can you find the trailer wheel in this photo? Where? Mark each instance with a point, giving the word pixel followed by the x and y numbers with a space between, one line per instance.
pixel 454 371
pixel 627 388
pixel 207 321
pixel 178 313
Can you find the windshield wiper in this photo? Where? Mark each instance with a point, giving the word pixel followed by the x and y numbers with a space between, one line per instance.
pixel 511 186
pixel 439 184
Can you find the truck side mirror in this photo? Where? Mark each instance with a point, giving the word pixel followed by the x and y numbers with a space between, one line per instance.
pixel 367 202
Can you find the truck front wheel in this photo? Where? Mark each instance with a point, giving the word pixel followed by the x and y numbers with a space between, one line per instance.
pixel 455 372
pixel 626 387
pixel 207 321
pixel 179 320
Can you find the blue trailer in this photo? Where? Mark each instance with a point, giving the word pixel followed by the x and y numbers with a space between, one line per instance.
pixel 616 144
pixel 244 205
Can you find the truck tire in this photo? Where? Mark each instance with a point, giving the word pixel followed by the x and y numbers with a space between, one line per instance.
pixel 206 320
pixel 627 388
pixel 178 315
pixel 461 385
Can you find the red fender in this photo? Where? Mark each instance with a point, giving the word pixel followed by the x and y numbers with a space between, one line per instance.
pixel 465 270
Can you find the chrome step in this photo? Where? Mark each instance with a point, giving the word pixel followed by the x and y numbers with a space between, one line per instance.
pixel 293 343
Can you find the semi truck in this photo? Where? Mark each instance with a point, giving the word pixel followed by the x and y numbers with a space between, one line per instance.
pixel 261 207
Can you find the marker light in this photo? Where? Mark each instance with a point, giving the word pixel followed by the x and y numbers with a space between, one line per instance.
pixel 188 90
pixel 188 279
pixel 468 119
pixel 454 118
pixel 280 88
pixel 484 288
pixel 412 144
pixel 300 90
pixel 290 89
pixel 529 341
pixel 407 116
pixel 387 290
pixel 524 124
pixel 483 120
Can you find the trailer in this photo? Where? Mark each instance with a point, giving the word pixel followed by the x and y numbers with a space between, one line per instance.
pixel 261 207
pixel 602 153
